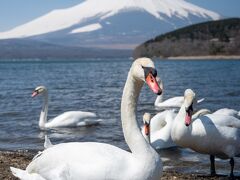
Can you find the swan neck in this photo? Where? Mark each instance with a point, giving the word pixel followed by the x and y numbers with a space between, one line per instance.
pixel 179 130
pixel 44 111
pixel 181 115
pixel 158 100
pixel 147 137
pixel 131 131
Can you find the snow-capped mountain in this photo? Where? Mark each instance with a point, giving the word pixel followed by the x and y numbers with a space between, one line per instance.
pixel 111 23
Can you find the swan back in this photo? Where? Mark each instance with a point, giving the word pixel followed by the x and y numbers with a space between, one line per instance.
pixel 227 111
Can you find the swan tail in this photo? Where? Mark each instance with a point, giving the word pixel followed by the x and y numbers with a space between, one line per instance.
pixel 200 100
pixel 24 175
pixel 47 143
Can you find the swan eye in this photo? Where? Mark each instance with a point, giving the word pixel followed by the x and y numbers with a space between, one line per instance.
pixel 154 72
pixel 148 70
pixel 36 91
pixel 190 108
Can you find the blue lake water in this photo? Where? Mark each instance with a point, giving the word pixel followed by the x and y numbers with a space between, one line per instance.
pixel 96 86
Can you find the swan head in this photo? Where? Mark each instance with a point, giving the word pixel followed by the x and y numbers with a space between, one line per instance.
pixel 146 123
pixel 143 69
pixel 189 100
pixel 39 90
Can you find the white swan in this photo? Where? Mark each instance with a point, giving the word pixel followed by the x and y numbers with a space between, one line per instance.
pixel 228 112
pixel 159 128
pixel 89 160
pixel 213 134
pixel 67 119
pixel 174 102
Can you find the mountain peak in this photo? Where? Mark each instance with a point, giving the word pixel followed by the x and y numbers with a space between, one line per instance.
pixel 100 16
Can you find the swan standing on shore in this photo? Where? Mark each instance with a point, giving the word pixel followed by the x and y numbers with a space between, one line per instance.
pixel 89 160
pixel 67 119
pixel 159 128
pixel 213 134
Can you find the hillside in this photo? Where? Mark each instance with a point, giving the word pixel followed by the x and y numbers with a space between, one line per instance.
pixel 211 38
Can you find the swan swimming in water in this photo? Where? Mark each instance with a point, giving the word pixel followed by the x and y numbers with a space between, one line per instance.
pixel 214 134
pixel 89 160
pixel 174 102
pixel 67 119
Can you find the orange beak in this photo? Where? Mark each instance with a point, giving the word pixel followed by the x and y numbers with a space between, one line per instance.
pixel 34 94
pixel 153 84
pixel 188 119
pixel 146 129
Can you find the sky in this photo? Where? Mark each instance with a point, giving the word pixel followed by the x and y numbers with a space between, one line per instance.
pixel 15 12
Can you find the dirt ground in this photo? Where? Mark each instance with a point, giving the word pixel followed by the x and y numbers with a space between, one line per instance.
pixel 22 159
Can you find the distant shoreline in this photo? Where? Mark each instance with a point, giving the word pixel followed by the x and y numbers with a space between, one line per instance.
pixel 218 57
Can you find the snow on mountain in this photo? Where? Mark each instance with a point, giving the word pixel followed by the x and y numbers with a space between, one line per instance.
pixel 88 28
pixel 106 20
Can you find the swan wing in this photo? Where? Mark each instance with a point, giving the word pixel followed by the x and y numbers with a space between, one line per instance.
pixel 227 111
pixel 158 121
pixel 221 120
pixel 208 138
pixel 72 118
pixel 79 158
pixel 162 139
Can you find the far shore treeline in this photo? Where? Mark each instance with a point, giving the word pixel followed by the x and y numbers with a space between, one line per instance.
pixel 213 38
